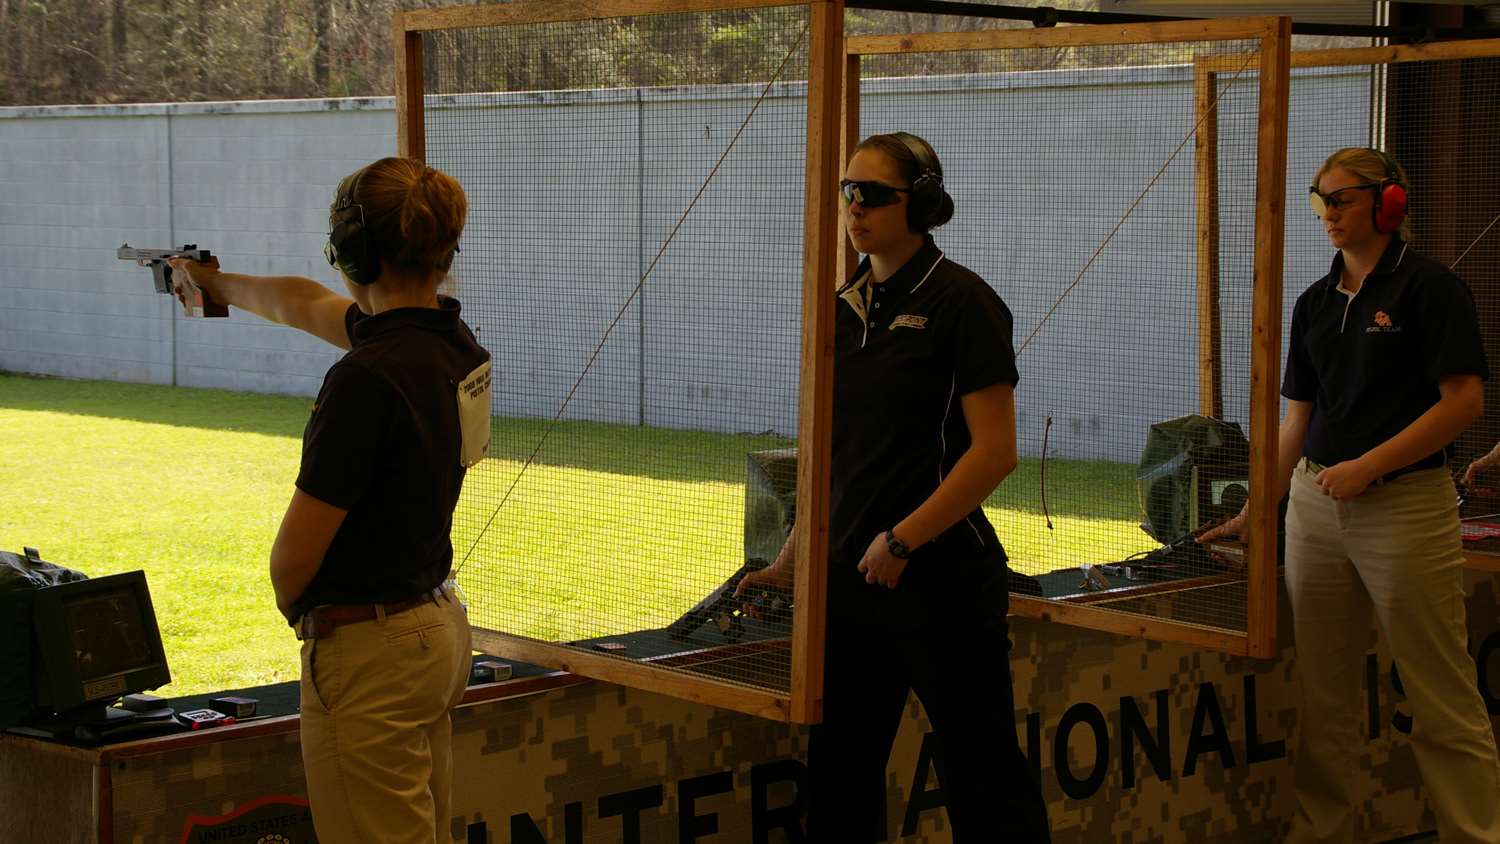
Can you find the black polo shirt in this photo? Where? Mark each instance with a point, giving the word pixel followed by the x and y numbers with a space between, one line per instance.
pixel 384 443
pixel 1370 363
pixel 906 351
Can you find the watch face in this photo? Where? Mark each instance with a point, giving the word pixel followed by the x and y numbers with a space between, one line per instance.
pixel 897 548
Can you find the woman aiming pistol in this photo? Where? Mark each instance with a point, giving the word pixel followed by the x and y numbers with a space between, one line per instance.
pixel 361 564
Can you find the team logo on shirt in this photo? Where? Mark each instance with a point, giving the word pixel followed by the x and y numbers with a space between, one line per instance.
pixel 909 321
pixel 1382 324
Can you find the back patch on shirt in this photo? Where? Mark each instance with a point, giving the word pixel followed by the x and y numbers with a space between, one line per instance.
pixel 474 415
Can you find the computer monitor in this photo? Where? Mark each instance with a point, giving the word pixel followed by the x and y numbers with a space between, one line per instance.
pixel 1193 471
pixel 96 641
pixel 770 501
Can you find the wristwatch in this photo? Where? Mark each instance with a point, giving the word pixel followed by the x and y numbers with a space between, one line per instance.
pixel 898 549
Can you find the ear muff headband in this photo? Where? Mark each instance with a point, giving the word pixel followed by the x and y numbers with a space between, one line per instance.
pixel 926 197
pixel 349 247
pixel 1390 197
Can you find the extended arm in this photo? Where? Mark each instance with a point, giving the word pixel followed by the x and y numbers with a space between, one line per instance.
pixel 290 300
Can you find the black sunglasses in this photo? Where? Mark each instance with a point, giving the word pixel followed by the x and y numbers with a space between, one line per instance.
pixel 1341 198
pixel 869 194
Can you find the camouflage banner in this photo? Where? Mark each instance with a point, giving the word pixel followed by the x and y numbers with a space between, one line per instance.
pixel 1132 740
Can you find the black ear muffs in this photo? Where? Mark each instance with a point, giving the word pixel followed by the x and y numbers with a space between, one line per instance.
pixel 1390 198
pixel 928 205
pixel 349 249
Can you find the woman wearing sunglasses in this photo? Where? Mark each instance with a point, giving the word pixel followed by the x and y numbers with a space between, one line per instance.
pixel 360 566
pixel 1384 370
pixel 923 432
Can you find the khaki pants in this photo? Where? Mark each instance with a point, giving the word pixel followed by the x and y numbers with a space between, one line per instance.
pixel 376 738
pixel 1393 552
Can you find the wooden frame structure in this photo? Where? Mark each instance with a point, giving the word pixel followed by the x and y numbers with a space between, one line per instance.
pixel 1274 37
pixel 833 113
pixel 803 703
pixel 1205 71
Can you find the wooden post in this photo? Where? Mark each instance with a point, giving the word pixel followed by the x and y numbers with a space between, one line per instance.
pixel 638 674
pixel 552 11
pixel 847 142
pixel 1099 616
pixel 1392 54
pixel 1265 351
pixel 819 266
pixel 411 126
pixel 1210 355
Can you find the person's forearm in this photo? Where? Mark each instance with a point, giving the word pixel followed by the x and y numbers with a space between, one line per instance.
pixel 1433 430
pixel 276 298
pixel 788 554
pixel 1293 432
pixel 1482 463
pixel 974 477
pixel 290 575
pixel 302 541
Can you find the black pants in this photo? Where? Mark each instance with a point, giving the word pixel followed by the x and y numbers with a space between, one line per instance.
pixel 959 667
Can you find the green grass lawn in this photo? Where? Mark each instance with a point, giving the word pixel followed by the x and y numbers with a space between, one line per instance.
pixel 188 485
pixel 614 528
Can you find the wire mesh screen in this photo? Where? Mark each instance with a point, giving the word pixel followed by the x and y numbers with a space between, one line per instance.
pixel 633 261
pixel 1074 172
pixel 1441 120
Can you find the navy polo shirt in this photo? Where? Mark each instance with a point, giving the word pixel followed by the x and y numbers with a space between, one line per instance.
pixel 906 351
pixel 384 443
pixel 1370 363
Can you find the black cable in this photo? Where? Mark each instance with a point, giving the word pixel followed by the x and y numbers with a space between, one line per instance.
pixel 635 291
pixel 1045 432
pixel 1476 241
pixel 1099 250
pixel 1037 15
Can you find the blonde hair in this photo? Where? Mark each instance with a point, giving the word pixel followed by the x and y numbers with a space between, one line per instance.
pixel 1372 166
pixel 415 214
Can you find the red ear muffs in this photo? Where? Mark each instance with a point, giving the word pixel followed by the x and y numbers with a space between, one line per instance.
pixel 1390 206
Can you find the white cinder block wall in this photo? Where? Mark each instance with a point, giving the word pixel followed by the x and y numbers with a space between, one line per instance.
pixel 252 181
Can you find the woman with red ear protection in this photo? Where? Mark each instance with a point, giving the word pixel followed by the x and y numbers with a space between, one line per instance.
pixel 360 566
pixel 1384 370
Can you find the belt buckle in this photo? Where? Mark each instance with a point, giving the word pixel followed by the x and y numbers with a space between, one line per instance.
pixel 312 625
pixel 455 593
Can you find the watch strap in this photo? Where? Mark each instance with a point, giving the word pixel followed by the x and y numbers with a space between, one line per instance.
pixel 900 550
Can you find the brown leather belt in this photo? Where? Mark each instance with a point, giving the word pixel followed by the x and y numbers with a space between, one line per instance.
pixel 1316 467
pixel 319 622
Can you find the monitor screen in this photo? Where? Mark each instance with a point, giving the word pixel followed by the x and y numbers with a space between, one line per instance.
pixel 96 640
pixel 108 633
